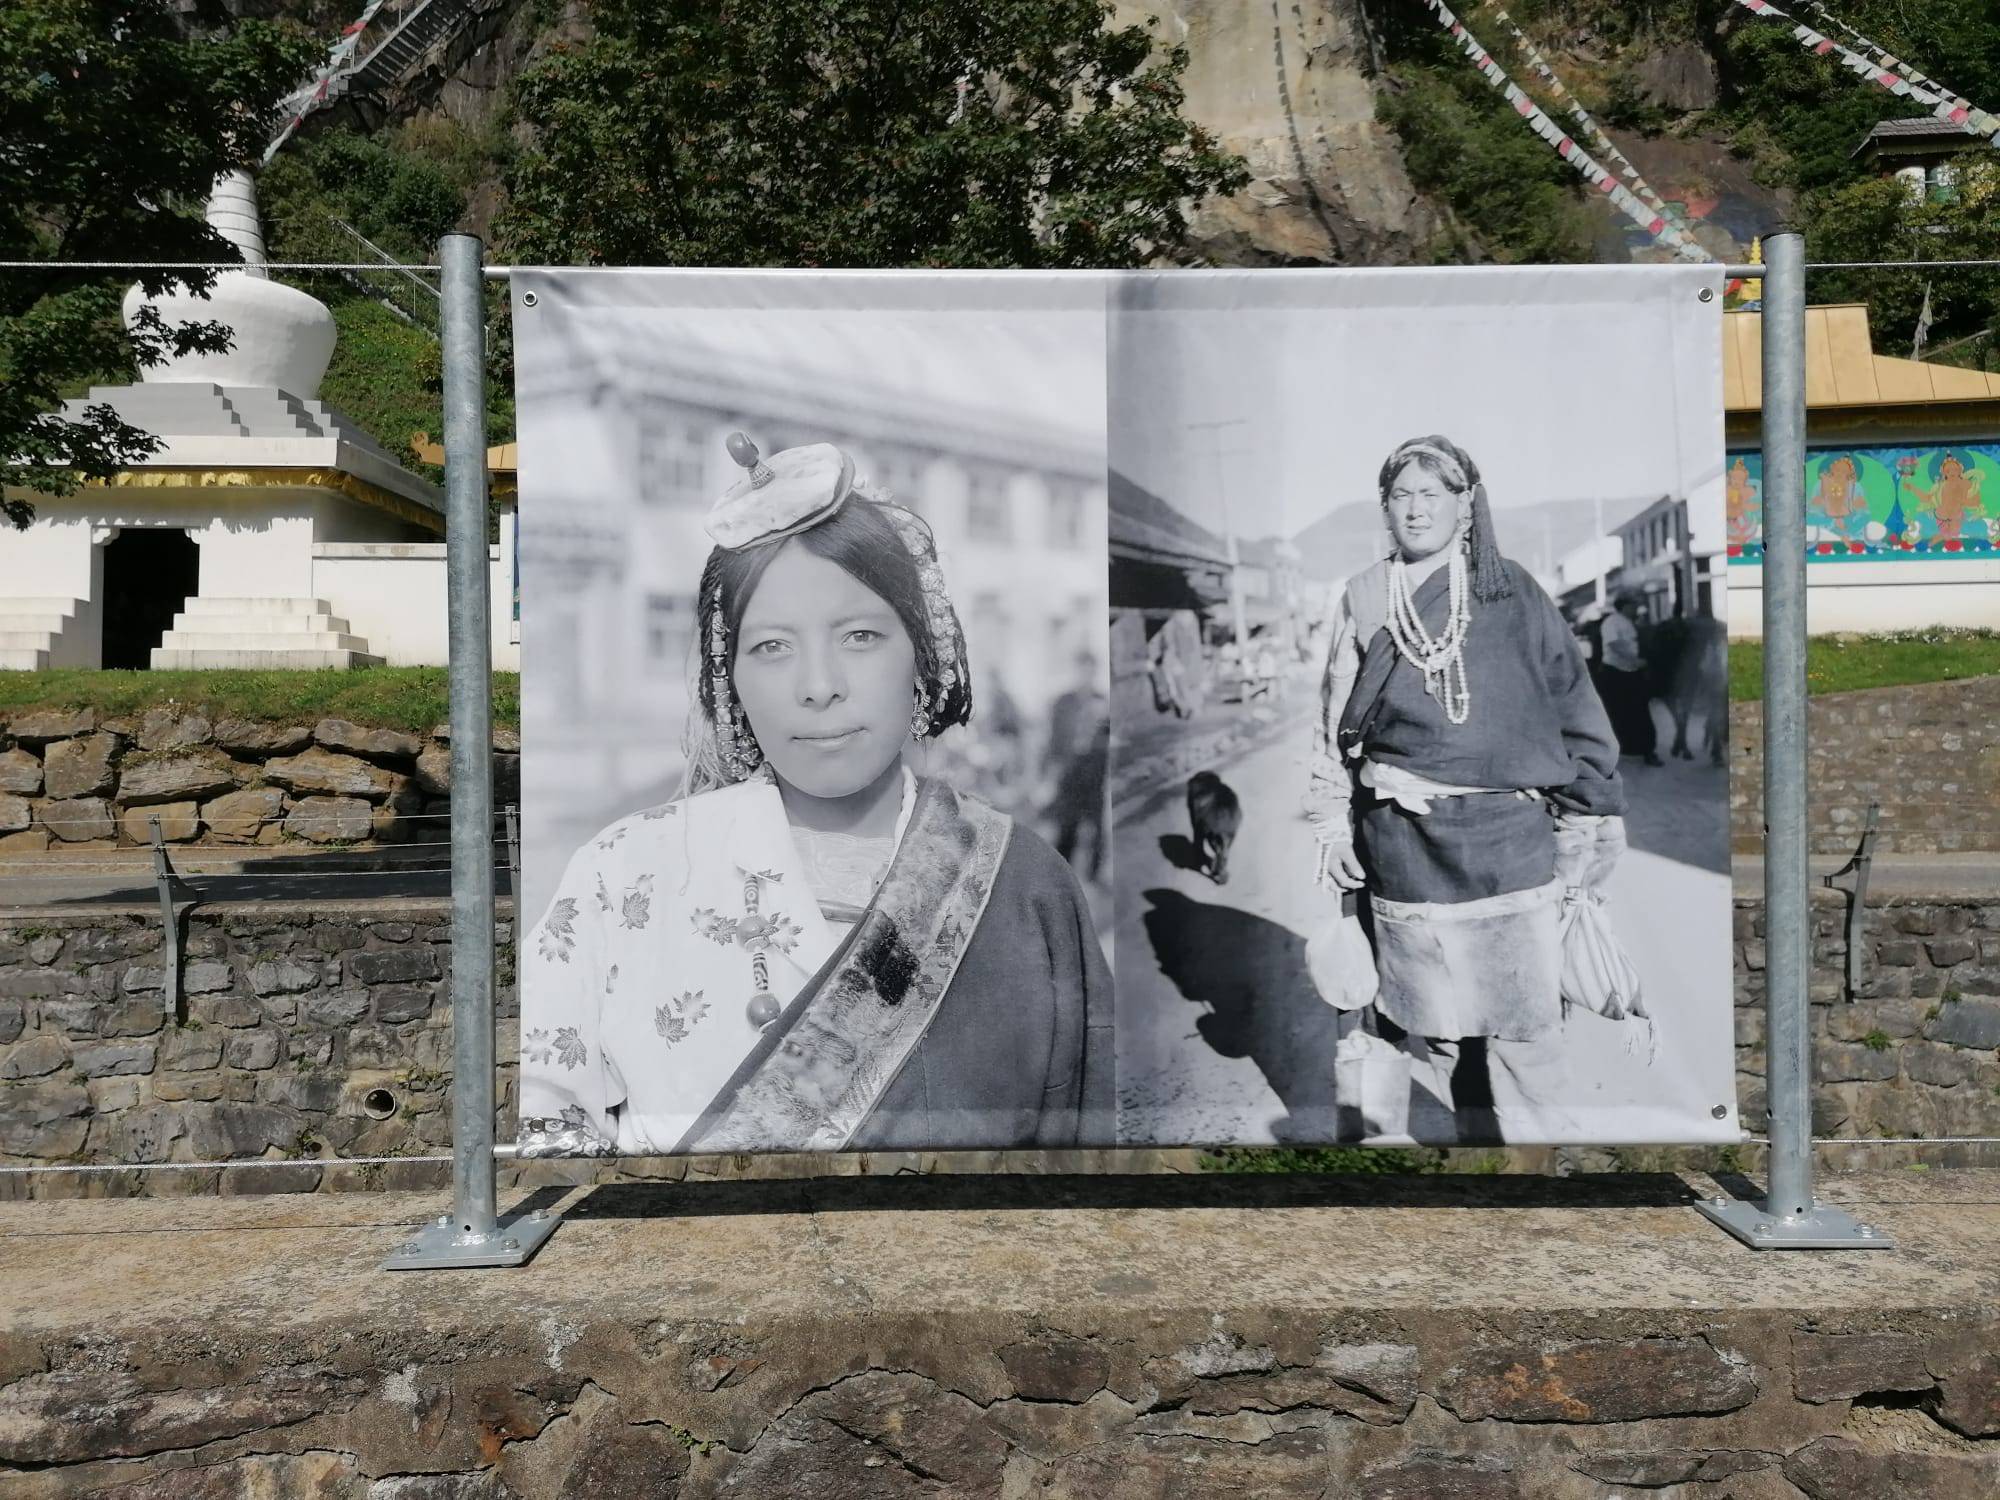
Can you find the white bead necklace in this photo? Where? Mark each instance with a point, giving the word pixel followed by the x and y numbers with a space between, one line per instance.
pixel 1442 658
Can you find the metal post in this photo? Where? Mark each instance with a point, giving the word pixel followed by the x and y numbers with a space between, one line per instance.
pixel 471 1235
pixel 1788 1218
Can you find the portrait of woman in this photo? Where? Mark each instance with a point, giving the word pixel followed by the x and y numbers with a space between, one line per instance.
pixel 818 947
pixel 1465 775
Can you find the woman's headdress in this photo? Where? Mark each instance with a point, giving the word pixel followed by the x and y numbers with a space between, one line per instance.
pixel 793 491
pixel 1455 467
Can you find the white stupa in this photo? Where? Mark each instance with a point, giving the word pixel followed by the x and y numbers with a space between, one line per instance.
pixel 206 553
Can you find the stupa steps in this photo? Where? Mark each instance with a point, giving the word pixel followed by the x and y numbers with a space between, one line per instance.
pixel 247 623
pixel 175 659
pixel 31 632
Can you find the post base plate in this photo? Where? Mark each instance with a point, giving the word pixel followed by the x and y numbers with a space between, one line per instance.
pixel 440 1246
pixel 1824 1228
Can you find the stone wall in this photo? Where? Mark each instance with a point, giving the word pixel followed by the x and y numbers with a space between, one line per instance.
pixel 1917 1052
pixel 305 1030
pixel 77 777
pixel 324 1031
pixel 1929 754
pixel 1162 1339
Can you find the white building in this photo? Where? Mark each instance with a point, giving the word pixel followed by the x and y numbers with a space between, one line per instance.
pixel 266 531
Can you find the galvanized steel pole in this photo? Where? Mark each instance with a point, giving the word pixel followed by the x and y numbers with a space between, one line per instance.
pixel 1788 1076
pixel 1788 1218
pixel 471 680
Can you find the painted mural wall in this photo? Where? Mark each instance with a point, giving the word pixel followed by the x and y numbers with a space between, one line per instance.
pixel 1879 503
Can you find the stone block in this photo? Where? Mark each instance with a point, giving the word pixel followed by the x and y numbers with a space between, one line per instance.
pixel 143 979
pixel 1947 951
pixel 204 1087
pixel 312 1093
pixel 313 1048
pixel 1851 1062
pixel 20 772
pixel 1967 1023
pixel 238 817
pixel 44 1119
pixel 151 1130
pixel 1967 1368
pixel 73 1017
pixel 186 1051
pixel 109 1095
pixel 1055 1369
pixel 434 770
pixel 224 1009
pixel 377 744
pixel 252 1051
pixel 111 1059
pixel 1841 1366
pixel 1438 1478
pixel 108 943
pixel 176 776
pixel 80 767
pixel 37 1057
pixel 1943 1066
pixel 207 976
pixel 395 1004
pixel 319 771
pixel 64 1416
pixel 170 728
pixel 77 820
pixel 330 820
pixel 179 822
pixel 1597 1380
pixel 231 1131
pixel 34 841
pixel 17 814
pixel 392 965
pixel 282 976
pixel 1892 1017
pixel 35 984
pixel 335 1009
pixel 1838 1468
pixel 41 725
pixel 248 737
pixel 13 1020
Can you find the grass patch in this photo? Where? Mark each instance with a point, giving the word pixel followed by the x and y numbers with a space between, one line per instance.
pixel 408 698
pixel 1846 663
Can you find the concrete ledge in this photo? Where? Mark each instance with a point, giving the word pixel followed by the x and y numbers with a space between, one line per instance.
pixel 1116 1339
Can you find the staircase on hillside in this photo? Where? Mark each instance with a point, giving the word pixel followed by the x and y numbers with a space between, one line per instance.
pixel 33 630
pixel 261 633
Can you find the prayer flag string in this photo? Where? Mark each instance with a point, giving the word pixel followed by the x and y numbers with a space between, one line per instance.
pixel 317 90
pixel 1601 142
pixel 1663 230
pixel 1888 73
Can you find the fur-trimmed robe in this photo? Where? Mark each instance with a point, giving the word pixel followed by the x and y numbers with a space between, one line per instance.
pixel 969 1008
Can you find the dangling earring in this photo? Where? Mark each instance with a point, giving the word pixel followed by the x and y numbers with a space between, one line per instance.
pixel 920 718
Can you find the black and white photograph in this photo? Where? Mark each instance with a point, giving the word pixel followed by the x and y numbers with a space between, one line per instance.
pixel 1420 806
pixel 815 717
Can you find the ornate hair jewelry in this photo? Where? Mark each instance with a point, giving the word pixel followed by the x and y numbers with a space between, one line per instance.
pixel 792 490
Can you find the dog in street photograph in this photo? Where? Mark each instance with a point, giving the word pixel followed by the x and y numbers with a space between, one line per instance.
pixel 1214 815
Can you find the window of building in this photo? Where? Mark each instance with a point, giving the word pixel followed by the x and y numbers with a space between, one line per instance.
pixel 675 463
pixel 1065 514
pixel 988 517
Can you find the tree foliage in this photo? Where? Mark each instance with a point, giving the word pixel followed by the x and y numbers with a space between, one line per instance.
pixel 859 133
pixel 113 125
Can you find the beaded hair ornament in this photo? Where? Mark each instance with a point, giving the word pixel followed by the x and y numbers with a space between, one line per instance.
pixel 793 491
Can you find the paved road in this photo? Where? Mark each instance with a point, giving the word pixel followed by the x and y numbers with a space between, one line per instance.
pixel 1222 1036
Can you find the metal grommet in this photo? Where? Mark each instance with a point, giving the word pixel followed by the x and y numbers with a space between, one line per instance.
pixel 1707 294
pixel 1720 1111
pixel 529 299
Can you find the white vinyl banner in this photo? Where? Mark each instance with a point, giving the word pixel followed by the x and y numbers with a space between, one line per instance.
pixel 1019 710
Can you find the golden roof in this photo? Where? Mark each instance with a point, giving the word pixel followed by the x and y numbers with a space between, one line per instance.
pixel 501 458
pixel 1842 368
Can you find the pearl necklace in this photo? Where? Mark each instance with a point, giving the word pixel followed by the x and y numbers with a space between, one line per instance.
pixel 1441 658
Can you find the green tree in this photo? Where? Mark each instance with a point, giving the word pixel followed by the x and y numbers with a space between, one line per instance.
pixel 114 122
pixel 1878 219
pixel 859 133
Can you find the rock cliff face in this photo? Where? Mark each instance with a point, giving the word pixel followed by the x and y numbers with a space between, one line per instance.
pixel 1287 86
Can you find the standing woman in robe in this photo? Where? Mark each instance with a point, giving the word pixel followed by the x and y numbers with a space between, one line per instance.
pixel 1465 773
pixel 817 949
